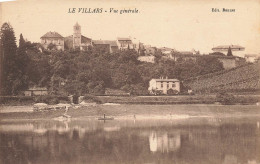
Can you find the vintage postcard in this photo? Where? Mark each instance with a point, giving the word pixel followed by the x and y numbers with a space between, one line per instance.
pixel 130 82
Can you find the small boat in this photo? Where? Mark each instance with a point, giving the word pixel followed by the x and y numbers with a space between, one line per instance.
pixel 105 118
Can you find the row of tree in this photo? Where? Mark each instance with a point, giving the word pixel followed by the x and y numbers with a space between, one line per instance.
pixel 88 72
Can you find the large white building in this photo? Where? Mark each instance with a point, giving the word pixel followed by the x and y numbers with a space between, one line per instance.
pixel 164 85
pixel 52 38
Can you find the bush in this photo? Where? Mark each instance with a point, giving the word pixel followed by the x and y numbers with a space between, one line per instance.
pixel 225 98
pixel 91 99
pixel 16 100
pixel 156 92
pixel 172 92
pixel 48 99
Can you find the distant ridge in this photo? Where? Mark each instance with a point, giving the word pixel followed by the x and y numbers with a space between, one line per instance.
pixel 242 78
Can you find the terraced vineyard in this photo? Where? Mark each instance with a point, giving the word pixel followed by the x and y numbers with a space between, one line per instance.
pixel 246 77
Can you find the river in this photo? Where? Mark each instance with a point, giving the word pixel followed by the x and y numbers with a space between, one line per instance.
pixel 182 140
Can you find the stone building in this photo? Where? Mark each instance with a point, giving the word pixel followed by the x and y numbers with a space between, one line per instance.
pixel 108 46
pixel 227 61
pixel 77 41
pixel 52 38
pixel 125 43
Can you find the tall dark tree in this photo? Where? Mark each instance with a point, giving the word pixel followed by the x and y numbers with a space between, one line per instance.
pixel 8 44
pixel 229 52
pixel 21 41
pixel 1 68
pixel 22 61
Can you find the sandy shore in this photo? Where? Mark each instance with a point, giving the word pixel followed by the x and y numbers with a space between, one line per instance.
pixel 138 111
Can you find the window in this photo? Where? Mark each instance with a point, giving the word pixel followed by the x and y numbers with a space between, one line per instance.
pixel 161 84
pixel 173 85
pixel 167 85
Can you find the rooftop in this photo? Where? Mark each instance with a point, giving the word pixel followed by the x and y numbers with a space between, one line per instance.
pixel 166 80
pixel 111 42
pixel 119 38
pixel 166 49
pixel 226 47
pixel 52 35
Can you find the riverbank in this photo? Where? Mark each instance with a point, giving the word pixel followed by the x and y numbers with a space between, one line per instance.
pixel 179 99
pixel 164 99
pixel 138 111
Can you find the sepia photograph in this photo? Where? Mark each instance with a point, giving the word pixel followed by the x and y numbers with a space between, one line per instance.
pixel 129 81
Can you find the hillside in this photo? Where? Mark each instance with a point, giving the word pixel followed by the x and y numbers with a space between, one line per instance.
pixel 243 78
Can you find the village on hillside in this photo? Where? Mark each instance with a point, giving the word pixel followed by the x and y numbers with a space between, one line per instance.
pixel 54 40
pixel 129 82
pixel 126 66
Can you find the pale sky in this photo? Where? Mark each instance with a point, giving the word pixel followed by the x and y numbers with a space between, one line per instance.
pixel 179 24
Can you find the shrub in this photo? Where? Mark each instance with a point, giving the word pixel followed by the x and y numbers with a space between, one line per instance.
pixel 156 92
pixel 225 98
pixel 91 98
pixel 48 99
pixel 16 100
pixel 172 92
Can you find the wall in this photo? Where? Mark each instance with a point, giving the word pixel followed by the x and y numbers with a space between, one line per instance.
pixel 58 42
pixel 37 93
pixel 114 48
pixel 149 59
pixel 40 93
pixel 102 47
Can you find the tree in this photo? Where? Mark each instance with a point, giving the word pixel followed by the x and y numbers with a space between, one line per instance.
pixel 52 46
pixel 229 52
pixel 8 56
pixel 217 53
pixel 21 41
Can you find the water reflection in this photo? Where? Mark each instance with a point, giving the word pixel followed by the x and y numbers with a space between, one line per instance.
pixel 164 142
pixel 91 141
